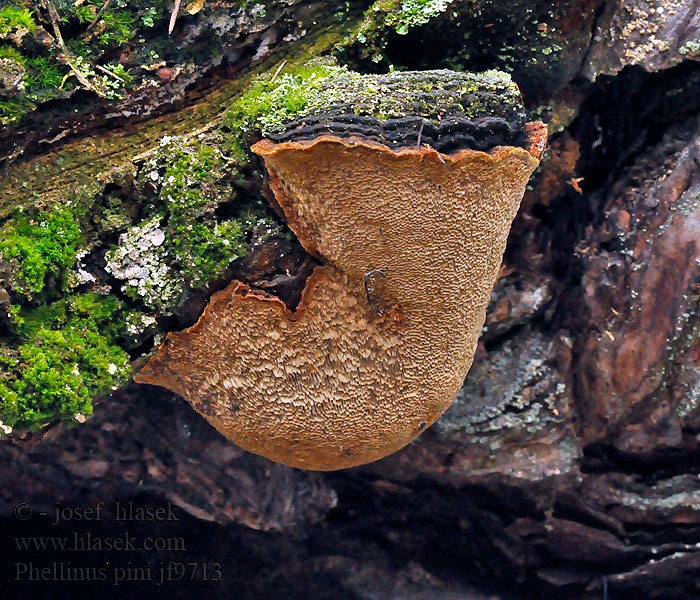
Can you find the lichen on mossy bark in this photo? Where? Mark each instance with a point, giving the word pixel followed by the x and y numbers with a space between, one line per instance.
pixel 179 243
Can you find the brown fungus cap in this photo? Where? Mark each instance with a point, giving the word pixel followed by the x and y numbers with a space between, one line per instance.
pixel 411 241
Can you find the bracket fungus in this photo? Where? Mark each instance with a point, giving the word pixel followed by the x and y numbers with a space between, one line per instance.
pixel 409 214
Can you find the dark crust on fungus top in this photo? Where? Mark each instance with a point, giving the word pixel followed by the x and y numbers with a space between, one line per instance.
pixel 445 110
pixel 447 136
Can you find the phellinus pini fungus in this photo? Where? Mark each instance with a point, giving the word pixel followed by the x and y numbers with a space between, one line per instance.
pixel 407 201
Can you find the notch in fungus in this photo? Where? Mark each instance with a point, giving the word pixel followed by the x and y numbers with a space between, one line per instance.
pixel 411 240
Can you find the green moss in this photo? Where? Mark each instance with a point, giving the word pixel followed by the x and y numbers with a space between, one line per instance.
pixel 60 352
pixel 269 102
pixel 413 13
pixel 386 16
pixel 38 246
pixel 16 17
pixel 119 24
pixel 11 109
pixel 120 27
pixel 202 246
pixel 12 54
pixel 691 48
pixel 67 356
pixel 43 75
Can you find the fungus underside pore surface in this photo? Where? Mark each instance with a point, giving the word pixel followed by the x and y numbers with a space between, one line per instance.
pixel 410 239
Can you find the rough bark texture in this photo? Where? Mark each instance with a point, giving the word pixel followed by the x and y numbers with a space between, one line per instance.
pixel 568 467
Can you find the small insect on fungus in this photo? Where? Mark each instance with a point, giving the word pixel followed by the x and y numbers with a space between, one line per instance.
pixel 373 298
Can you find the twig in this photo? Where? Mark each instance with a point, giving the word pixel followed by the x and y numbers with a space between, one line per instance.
pixel 54 17
pixel 277 72
pixel 65 78
pixel 173 16
pixel 420 133
pixel 97 18
pixel 101 68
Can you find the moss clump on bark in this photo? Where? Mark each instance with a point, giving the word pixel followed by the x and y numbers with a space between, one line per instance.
pixel 275 98
pixel 66 355
pixel 57 349
pixel 39 246
pixel 15 18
